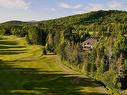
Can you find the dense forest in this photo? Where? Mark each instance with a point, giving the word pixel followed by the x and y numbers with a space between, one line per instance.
pixel 106 62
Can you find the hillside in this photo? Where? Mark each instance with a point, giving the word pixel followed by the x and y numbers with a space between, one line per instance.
pixel 92 17
pixel 25 72
pixel 92 22
pixel 84 19
pixel 105 61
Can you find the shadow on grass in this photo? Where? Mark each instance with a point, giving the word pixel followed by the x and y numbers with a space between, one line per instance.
pixel 11 52
pixel 30 81
pixel 5 42
pixel 6 50
pixel 10 46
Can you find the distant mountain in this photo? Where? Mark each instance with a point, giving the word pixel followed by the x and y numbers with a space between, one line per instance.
pixel 14 22
pixel 95 17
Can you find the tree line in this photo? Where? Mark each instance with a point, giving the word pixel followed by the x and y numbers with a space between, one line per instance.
pixel 107 61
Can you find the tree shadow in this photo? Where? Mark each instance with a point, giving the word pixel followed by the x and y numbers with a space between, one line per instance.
pixel 5 45
pixel 11 52
pixel 5 42
pixel 6 50
pixel 30 81
pixel 10 46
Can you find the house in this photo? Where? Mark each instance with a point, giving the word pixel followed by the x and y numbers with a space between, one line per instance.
pixel 88 44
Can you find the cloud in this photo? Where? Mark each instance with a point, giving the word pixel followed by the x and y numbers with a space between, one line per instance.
pixel 111 5
pixel 53 9
pixel 94 7
pixel 70 6
pixel 15 4
pixel 90 7
pixel 79 12
pixel 114 4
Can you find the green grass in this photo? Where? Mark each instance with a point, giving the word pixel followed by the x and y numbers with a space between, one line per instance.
pixel 23 71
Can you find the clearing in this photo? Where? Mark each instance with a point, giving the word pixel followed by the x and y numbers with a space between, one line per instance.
pixel 23 71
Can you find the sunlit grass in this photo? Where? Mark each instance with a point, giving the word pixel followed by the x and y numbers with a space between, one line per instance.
pixel 23 71
pixel 28 50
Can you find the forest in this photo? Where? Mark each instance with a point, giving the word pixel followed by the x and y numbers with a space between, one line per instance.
pixel 106 62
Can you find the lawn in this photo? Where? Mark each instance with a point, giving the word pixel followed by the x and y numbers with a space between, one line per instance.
pixel 23 71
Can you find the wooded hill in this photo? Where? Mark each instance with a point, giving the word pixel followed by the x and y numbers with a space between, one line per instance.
pixel 106 62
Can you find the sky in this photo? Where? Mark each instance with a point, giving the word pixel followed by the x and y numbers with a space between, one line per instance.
pixel 36 10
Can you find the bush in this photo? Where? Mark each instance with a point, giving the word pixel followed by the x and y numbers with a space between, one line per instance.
pixel 44 51
pixel 2 31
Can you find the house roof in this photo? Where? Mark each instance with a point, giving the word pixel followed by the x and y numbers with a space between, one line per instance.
pixel 90 41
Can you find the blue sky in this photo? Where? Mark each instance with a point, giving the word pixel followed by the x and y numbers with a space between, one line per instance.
pixel 28 10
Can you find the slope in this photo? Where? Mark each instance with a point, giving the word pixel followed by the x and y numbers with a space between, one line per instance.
pixel 25 72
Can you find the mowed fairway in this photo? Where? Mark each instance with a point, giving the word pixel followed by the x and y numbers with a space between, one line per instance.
pixel 23 71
